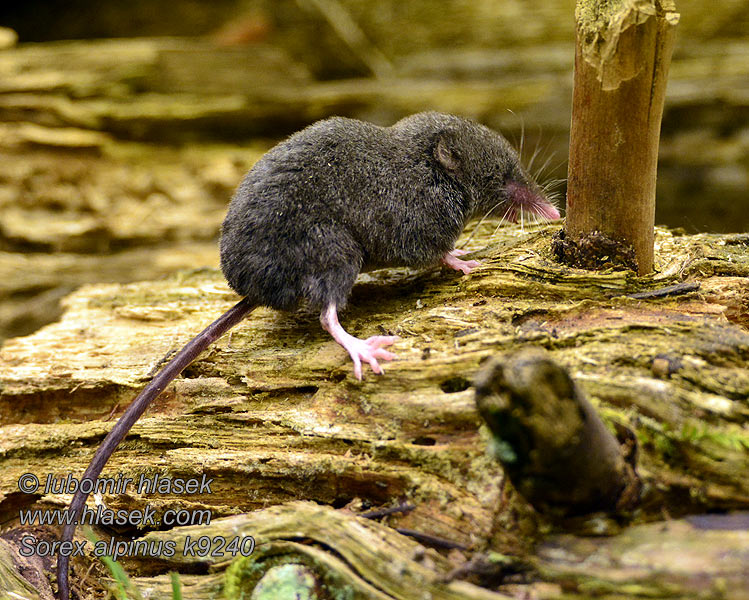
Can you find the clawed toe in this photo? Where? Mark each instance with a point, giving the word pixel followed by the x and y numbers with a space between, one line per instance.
pixel 466 266
pixel 367 351
pixel 377 341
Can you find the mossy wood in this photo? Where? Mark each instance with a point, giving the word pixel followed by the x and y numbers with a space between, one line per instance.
pixel 622 56
pixel 273 414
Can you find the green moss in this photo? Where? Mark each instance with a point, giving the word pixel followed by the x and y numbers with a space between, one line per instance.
pixel 241 577
pixel 285 576
pixel 594 15
pixel 696 434
pixel 286 582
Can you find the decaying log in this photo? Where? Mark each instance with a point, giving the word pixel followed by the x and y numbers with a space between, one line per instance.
pixel 370 561
pixel 273 414
pixel 691 558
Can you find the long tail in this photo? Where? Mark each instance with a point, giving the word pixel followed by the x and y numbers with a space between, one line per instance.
pixel 157 385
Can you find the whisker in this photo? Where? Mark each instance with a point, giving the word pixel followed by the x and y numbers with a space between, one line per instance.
pixel 515 145
pixel 552 194
pixel 496 229
pixel 514 137
pixel 552 183
pixel 480 222
pixel 508 210
pixel 536 150
pixel 554 168
pixel 540 171
pixel 501 220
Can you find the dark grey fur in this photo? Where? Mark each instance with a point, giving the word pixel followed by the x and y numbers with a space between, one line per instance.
pixel 342 196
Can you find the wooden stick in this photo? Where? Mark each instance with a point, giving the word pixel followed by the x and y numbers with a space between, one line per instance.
pixel 622 56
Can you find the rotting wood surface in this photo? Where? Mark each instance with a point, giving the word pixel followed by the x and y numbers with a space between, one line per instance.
pixel 273 413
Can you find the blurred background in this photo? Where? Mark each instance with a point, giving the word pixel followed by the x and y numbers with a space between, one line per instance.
pixel 125 126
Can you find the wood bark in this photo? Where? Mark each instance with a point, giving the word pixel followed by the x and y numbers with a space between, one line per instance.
pixel 622 55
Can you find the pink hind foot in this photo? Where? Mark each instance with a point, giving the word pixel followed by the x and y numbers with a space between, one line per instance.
pixel 368 350
pixel 451 260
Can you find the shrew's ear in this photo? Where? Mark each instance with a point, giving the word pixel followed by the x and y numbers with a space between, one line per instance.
pixel 445 154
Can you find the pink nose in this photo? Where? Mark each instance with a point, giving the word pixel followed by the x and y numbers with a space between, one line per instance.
pixel 548 211
pixel 530 201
